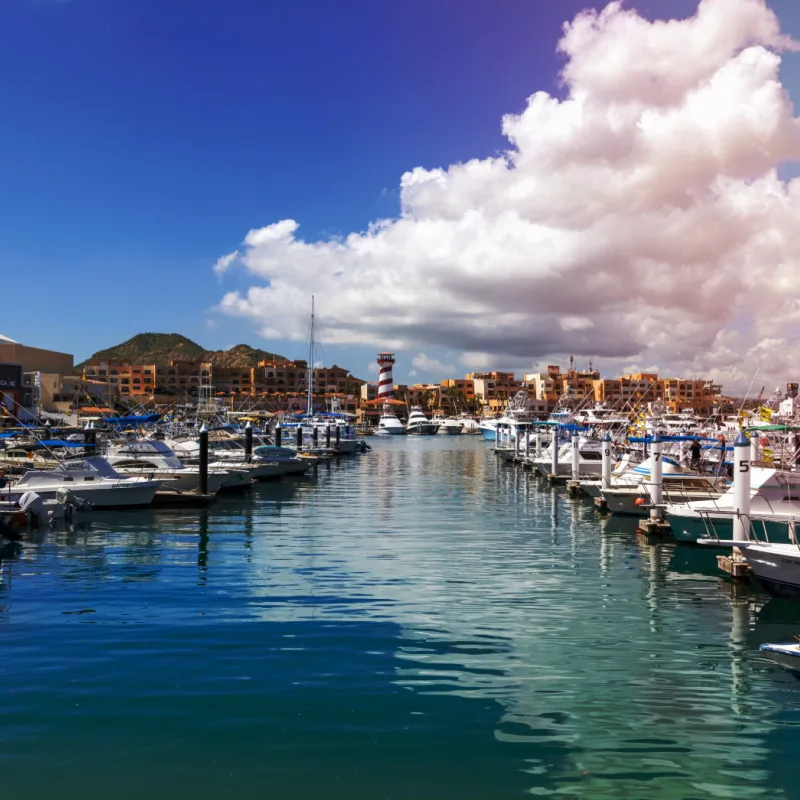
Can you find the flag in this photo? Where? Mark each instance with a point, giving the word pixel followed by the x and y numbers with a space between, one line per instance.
pixel 766 414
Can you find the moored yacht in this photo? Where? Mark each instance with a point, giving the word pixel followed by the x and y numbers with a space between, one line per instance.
pixel 419 424
pixel 389 425
pixel 91 478
pixel 447 425
pixel 773 495
pixel 154 459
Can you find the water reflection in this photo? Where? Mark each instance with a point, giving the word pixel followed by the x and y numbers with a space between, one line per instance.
pixel 425 606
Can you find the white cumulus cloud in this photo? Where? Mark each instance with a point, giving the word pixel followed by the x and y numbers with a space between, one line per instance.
pixel 641 219
pixel 426 363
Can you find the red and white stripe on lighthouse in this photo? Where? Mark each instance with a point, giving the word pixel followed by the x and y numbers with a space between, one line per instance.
pixel 385 381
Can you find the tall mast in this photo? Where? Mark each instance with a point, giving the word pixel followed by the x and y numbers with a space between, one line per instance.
pixel 310 361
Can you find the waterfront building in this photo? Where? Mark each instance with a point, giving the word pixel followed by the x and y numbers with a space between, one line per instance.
pixel 494 386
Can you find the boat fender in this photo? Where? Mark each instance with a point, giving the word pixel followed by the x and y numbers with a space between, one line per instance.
pixel 763 441
pixel 640 501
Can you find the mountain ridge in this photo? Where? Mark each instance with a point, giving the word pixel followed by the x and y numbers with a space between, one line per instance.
pixel 159 348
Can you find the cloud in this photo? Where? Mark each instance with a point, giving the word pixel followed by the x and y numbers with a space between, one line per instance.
pixel 427 364
pixel 212 323
pixel 641 219
pixel 225 262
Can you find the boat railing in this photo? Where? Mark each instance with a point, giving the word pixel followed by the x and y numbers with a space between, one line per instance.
pixel 756 525
pixel 683 494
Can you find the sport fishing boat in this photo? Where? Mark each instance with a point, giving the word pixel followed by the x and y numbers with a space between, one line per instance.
pixel 92 479
pixel 389 425
pixel 447 426
pixel 774 496
pixel 469 425
pixel 230 454
pixel 590 457
pixel 418 424
pixel 637 499
pixel 155 459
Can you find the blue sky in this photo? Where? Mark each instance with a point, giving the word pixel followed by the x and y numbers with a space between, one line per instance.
pixel 143 138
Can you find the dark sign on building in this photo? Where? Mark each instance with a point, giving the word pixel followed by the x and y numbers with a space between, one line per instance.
pixel 791 389
pixel 10 377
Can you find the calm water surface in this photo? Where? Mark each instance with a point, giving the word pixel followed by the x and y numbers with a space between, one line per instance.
pixel 418 622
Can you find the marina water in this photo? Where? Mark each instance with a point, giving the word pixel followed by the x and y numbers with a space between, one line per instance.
pixel 417 622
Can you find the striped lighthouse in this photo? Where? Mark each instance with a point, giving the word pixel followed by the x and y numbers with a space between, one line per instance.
pixel 385 381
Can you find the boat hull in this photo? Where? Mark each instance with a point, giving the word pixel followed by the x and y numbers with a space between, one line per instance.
pixel 777 570
pixel 690 529
pixel 788 656
pixel 129 493
pixel 422 429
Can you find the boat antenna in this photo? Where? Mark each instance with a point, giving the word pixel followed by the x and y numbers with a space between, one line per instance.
pixel 749 389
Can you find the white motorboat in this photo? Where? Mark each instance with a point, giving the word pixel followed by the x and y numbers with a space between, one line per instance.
pixel 389 425
pixel 418 424
pixel 447 425
pixel 157 460
pixel 469 425
pixel 787 654
pixel 230 455
pixel 590 457
pixel 600 414
pixel 92 479
pixel 627 461
pixel 775 564
pixel 636 500
pixel 285 458
pixel 774 495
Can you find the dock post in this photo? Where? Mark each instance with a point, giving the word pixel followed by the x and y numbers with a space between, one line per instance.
pixel 278 435
pixel 735 564
pixel 606 465
pixel 538 450
pixel 527 445
pixel 299 437
pixel 741 488
pixel 328 436
pixel 516 442
pixel 338 435
pixel 576 468
pixel 204 459
pixel 248 442
pixel 554 456
pixel 315 436
pixel 790 458
pixel 656 523
pixel 574 484
pixel 657 471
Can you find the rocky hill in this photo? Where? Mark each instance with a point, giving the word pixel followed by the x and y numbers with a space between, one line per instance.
pixel 158 348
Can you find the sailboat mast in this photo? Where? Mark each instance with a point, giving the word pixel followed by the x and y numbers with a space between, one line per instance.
pixel 310 361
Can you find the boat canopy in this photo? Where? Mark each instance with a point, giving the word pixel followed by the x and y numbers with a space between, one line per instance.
pixel 761 428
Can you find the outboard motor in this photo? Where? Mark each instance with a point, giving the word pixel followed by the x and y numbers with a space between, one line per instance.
pixel 33 505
